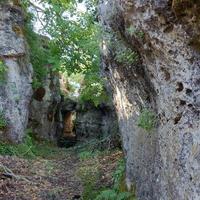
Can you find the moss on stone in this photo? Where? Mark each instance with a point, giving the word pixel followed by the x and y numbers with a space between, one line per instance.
pixel 18 30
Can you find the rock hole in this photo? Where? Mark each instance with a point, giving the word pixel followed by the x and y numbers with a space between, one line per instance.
pixel 39 94
pixel 106 69
pixel 169 28
pixel 76 197
pixel 182 102
pixel 190 105
pixel 148 99
pixel 177 118
pixel 179 87
pixel 188 91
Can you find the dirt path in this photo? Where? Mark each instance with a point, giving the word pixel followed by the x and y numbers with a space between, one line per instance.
pixel 41 179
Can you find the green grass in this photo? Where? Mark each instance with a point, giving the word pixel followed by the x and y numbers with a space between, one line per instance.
pixel 31 149
pixel 119 190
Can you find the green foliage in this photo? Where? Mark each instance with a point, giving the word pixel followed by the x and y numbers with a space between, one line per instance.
pixel 113 195
pixel 122 52
pixel 89 175
pixel 3 70
pixel 21 150
pixel 116 193
pixel 93 90
pixel 85 155
pixel 30 148
pixel 126 55
pixel 147 120
pixel 119 174
pixel 43 53
pixel 3 121
pixel 73 46
pixel 132 31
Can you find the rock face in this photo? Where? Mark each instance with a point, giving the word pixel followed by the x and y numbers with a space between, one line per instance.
pixel 150 55
pixel 15 74
pixel 45 118
pixel 95 122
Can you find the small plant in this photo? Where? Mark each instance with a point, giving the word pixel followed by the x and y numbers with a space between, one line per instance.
pixel 118 192
pixel 126 55
pixel 3 121
pixel 3 70
pixel 119 174
pixel 147 120
pixel 113 195
pixel 89 175
pixel 132 31
pixel 88 154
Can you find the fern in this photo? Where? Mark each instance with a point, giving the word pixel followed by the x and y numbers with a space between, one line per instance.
pixel 113 195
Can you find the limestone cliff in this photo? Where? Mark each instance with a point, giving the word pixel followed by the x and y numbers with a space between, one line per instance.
pixel 150 55
pixel 15 74
pixel 95 121
pixel 45 118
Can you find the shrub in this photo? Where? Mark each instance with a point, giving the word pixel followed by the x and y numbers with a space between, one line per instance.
pixel 113 195
pixel 3 121
pixel 147 120
pixel 88 154
pixel 89 175
pixel 22 150
pixel 116 193
pixel 123 53
pixel 126 55
pixel 30 148
pixel 132 31
pixel 3 70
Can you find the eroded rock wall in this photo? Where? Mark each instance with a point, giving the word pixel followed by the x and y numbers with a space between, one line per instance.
pixel 45 118
pixel 95 121
pixel 16 73
pixel 162 75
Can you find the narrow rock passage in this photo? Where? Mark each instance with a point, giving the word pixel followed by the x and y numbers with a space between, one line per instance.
pixel 41 179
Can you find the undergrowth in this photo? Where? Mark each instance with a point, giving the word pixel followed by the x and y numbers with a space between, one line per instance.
pixel 94 167
pixel 30 149
pixel 118 191
pixel 3 121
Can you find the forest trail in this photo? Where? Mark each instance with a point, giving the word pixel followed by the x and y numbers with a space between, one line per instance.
pixel 56 174
pixel 41 179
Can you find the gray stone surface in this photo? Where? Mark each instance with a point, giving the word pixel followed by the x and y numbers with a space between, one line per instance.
pixel 15 87
pixel 163 164
pixel 95 122
pixel 45 118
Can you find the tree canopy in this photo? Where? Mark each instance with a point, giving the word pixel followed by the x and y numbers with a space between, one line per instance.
pixel 74 42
